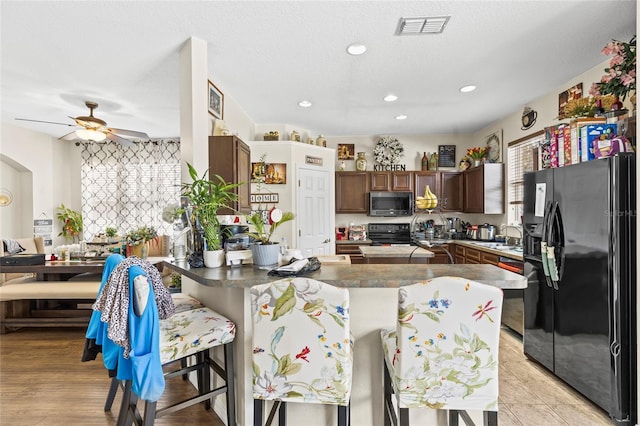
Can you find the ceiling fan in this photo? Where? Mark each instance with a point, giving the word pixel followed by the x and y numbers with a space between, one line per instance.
pixel 94 129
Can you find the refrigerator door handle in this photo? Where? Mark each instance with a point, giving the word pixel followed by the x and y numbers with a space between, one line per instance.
pixel 560 241
pixel 552 275
pixel 543 243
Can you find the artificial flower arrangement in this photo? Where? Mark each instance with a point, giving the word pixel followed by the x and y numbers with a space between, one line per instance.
pixel 141 235
pixel 477 152
pixel 588 107
pixel 71 222
pixel 620 77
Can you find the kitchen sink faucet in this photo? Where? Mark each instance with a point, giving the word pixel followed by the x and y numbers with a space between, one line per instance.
pixel 517 241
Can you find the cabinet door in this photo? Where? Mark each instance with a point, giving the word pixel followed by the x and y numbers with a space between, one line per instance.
pixel 351 192
pixel 422 179
pixel 473 190
pixel 451 189
pixel 402 181
pixel 230 158
pixel 380 181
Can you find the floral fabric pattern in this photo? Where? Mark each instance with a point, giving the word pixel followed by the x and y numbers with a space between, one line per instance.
pixel 188 332
pixel 443 352
pixel 302 345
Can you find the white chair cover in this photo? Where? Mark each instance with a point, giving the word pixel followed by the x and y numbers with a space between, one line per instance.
pixel 301 339
pixel 443 352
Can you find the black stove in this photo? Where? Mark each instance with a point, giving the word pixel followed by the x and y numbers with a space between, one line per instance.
pixel 389 233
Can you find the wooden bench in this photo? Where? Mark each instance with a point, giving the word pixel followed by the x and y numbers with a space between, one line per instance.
pixel 27 302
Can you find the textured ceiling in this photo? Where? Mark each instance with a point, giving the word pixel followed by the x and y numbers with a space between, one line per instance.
pixel 268 56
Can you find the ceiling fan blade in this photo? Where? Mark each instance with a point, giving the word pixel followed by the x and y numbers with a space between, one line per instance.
pixel 48 122
pixel 69 137
pixel 131 133
pixel 121 141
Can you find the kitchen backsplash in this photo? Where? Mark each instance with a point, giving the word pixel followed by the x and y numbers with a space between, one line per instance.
pixel 475 219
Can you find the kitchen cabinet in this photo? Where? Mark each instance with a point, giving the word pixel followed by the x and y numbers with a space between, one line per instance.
pixel 352 192
pixel 484 189
pixel 391 181
pixel 440 255
pixel 489 258
pixel 230 158
pixel 448 187
pixel 459 254
pixel 353 250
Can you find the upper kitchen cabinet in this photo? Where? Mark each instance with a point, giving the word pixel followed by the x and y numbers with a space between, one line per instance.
pixel 351 192
pixel 447 186
pixel 391 181
pixel 230 158
pixel 484 189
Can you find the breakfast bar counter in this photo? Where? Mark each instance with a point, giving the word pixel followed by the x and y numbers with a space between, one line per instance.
pixel 373 290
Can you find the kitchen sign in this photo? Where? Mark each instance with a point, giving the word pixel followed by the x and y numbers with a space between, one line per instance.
pixel 316 161
pixel 389 168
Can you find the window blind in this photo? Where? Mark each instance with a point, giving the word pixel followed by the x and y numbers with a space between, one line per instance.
pixel 523 155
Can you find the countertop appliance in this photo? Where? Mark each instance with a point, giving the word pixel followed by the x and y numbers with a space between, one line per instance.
pixel 580 305
pixel 390 203
pixel 389 233
pixel 486 232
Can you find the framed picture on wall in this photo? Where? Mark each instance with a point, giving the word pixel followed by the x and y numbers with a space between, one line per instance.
pixel 216 101
pixel 446 155
pixel 568 95
pixel 346 151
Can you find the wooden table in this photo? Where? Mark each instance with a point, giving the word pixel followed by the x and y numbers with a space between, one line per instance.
pixel 60 270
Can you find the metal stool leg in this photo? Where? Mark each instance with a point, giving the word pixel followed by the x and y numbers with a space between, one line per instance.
pixel 231 387
pixel 258 407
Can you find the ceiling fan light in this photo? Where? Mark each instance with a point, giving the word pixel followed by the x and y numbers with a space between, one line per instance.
pixel 90 135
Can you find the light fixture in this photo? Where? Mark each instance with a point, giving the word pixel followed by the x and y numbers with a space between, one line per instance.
pixel 90 135
pixel 304 104
pixel 401 117
pixel 356 49
pixel 6 197
pixel 467 89
pixel 390 98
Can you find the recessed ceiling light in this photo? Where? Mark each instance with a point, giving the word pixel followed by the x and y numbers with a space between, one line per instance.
pixel 304 104
pixel 356 49
pixel 401 117
pixel 467 89
pixel 390 98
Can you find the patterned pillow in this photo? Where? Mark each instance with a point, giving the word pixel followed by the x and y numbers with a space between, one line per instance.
pixel 12 246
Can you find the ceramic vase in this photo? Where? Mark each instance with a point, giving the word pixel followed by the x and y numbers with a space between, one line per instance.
pixel 265 254
pixel 477 162
pixel 361 162
pixel 213 258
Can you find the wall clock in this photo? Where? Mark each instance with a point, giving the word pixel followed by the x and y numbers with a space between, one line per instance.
pixel 494 147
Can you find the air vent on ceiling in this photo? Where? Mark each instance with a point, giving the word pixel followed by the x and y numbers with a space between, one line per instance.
pixel 426 25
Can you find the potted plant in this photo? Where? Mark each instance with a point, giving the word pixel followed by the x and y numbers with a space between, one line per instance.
pixel 264 251
pixel 207 197
pixel 111 233
pixel 139 238
pixel 71 223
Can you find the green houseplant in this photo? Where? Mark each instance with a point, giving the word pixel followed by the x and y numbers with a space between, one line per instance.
pixel 138 238
pixel 71 222
pixel 207 197
pixel 263 250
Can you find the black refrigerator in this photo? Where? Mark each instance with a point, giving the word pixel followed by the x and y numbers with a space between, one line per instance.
pixel 580 263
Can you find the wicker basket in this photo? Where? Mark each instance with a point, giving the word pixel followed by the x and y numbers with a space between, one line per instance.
pixel 271 138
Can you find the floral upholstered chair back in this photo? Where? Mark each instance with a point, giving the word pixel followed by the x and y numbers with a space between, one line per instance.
pixel 447 335
pixel 301 342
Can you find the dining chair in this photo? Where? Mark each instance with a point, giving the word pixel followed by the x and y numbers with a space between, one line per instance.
pixel 302 347
pixel 443 351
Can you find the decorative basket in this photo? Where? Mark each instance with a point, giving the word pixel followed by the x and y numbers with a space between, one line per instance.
pixel 271 138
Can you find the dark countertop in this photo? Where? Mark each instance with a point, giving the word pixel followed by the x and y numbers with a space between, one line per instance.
pixel 356 276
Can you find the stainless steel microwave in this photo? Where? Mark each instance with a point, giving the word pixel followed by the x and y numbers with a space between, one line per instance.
pixel 390 203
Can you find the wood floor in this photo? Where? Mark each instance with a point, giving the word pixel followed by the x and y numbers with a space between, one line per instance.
pixel 43 382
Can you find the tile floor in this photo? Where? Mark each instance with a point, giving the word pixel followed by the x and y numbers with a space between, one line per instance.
pixel 530 395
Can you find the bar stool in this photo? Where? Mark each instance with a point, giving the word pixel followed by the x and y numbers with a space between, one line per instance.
pixel 185 334
pixel 302 346
pixel 182 302
pixel 443 352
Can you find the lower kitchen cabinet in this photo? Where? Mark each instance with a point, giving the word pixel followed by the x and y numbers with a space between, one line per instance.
pixel 353 250
pixel 440 255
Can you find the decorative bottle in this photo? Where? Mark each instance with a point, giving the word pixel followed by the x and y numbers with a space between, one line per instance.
pixel 425 162
pixel 361 162
pixel 321 141
pixel 433 161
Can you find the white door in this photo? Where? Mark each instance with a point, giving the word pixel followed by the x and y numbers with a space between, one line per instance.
pixel 315 218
